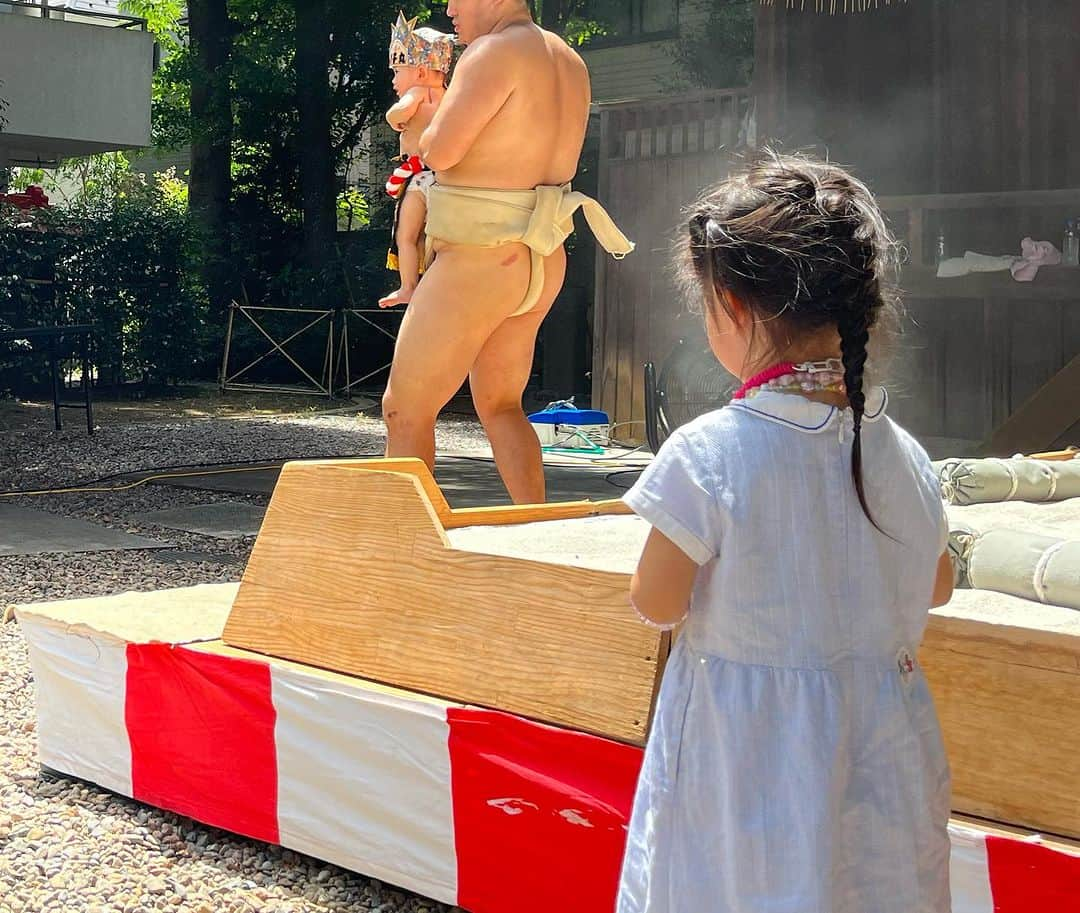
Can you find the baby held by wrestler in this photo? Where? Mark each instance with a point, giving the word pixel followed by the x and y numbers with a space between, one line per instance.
pixel 420 59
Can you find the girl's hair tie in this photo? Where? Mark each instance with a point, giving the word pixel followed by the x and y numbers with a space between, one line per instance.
pixel 714 232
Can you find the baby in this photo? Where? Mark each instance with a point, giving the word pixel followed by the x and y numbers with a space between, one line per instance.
pixel 420 59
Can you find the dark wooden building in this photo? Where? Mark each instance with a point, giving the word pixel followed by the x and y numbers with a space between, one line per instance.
pixel 964 117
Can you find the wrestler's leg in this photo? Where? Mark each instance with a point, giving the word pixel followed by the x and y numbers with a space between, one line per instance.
pixel 460 301
pixel 410 227
pixel 498 380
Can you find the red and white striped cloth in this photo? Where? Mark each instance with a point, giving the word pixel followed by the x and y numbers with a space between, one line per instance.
pixel 411 167
pixel 470 807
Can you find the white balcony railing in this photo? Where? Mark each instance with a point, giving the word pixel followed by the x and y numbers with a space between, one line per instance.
pixel 88 12
pixel 76 81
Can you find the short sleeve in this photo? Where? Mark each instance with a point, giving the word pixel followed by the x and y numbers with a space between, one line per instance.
pixel 675 495
pixel 933 485
pixel 944 529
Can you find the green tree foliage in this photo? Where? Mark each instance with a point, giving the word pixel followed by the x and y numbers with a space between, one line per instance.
pixel 5 173
pixel 162 19
pixel 576 20
pixel 118 254
pixel 267 141
pixel 170 87
pixel 721 54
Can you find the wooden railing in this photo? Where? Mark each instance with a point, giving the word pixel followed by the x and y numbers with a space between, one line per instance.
pixel 694 123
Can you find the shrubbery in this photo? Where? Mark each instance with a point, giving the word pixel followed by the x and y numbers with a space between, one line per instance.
pixel 118 254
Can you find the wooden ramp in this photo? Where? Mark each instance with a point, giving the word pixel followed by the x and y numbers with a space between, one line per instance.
pixel 1005 676
pixel 1050 414
pixel 353 571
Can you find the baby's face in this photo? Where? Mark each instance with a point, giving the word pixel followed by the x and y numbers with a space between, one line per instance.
pixel 405 78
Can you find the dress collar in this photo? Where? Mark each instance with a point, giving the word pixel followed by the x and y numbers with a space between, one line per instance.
pixel 804 414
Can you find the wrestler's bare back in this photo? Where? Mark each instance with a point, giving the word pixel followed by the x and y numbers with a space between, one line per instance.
pixel 548 108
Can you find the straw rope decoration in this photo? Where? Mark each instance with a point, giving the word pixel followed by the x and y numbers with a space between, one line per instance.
pixel 837 6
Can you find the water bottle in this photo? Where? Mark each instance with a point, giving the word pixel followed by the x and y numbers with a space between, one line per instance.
pixel 940 252
pixel 1070 248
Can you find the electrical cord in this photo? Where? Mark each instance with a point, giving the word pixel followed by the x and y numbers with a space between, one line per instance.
pixel 610 460
pixel 610 478
pixel 223 467
pixel 87 485
pixel 167 472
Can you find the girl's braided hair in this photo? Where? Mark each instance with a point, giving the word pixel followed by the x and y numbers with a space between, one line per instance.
pixel 803 245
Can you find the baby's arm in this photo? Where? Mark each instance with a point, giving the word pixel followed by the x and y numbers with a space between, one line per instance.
pixel 661 587
pixel 402 112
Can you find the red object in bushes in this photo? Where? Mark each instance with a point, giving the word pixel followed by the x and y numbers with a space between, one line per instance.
pixel 34 197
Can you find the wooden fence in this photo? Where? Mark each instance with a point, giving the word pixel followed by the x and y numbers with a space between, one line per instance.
pixel 655 158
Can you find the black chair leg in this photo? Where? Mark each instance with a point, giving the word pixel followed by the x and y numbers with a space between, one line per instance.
pixel 88 383
pixel 652 431
pixel 54 369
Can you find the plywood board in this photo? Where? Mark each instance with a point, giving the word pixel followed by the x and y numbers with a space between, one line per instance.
pixel 220 648
pixel 1051 410
pixel 602 543
pixel 174 616
pixel 1005 675
pixel 353 571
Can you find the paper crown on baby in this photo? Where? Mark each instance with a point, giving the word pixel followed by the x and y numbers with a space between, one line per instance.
pixel 423 47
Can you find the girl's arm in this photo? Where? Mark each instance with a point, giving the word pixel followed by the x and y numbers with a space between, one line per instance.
pixel 661 587
pixel 400 114
pixel 943 582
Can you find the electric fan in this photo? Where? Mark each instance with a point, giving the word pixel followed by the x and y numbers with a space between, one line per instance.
pixel 691 383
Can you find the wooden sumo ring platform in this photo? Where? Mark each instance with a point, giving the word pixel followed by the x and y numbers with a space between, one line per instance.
pixel 375 588
pixel 453 701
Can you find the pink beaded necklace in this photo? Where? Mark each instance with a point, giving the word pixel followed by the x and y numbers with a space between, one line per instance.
pixel 788 377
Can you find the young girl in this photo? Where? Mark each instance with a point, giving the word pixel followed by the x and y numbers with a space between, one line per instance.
pixel 795 764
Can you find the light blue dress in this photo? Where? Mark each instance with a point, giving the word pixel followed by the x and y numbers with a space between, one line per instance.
pixel 795 763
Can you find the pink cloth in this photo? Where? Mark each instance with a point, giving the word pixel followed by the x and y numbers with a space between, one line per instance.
pixel 1034 254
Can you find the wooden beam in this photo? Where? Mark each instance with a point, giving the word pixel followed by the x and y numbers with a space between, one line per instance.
pixel 501 515
pixel 1048 414
pixel 1008 199
pixel 352 571
pixel 1006 696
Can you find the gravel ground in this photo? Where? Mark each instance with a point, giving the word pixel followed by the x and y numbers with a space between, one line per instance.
pixel 38 456
pixel 69 847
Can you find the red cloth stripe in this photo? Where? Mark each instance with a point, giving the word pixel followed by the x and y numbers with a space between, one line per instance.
pixel 202 737
pixel 1029 878
pixel 540 814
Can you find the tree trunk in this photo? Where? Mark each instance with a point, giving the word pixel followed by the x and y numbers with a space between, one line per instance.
pixel 549 15
pixel 211 144
pixel 553 14
pixel 317 178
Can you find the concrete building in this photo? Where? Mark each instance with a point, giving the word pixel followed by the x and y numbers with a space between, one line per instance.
pixel 639 57
pixel 76 79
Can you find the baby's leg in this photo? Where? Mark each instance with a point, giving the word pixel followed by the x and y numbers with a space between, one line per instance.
pixel 410 227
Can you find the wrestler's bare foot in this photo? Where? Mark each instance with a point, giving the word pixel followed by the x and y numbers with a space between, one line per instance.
pixel 400 296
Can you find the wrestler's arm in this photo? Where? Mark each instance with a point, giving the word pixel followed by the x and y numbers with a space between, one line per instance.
pixel 482 82
pixel 402 112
